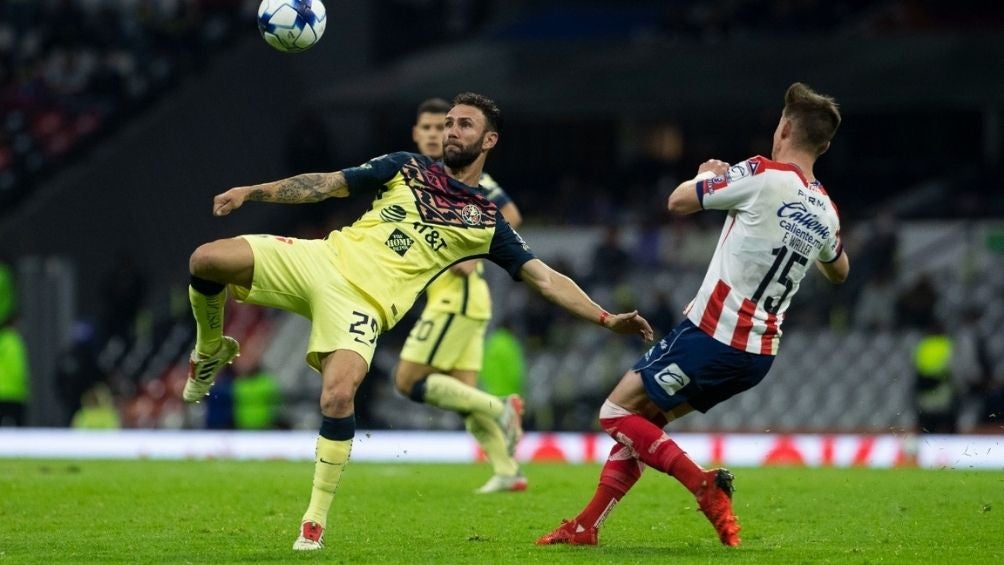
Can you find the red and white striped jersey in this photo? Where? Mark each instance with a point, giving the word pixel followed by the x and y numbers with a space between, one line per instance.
pixel 778 225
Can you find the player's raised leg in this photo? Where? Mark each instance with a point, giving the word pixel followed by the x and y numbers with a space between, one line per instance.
pixel 342 372
pixel 213 266
pixel 423 383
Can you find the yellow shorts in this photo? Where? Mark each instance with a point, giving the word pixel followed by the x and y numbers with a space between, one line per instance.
pixel 446 341
pixel 299 275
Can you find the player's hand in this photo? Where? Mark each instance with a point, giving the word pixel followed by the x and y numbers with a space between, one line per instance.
pixel 629 323
pixel 714 166
pixel 229 201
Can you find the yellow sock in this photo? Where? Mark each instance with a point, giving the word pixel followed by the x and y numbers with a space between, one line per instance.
pixel 208 312
pixel 330 458
pixel 492 441
pixel 449 393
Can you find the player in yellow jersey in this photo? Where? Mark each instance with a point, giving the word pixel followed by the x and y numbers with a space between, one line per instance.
pixel 358 281
pixel 442 357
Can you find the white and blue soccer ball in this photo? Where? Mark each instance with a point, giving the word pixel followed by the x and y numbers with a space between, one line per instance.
pixel 292 26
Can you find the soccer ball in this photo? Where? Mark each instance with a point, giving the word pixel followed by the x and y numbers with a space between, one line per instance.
pixel 292 26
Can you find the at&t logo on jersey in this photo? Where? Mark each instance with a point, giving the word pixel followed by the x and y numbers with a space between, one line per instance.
pixel 393 213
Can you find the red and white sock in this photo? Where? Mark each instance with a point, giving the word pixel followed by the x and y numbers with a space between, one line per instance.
pixel 651 445
pixel 621 471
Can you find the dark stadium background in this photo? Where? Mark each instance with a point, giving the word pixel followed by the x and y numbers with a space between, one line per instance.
pixel 119 125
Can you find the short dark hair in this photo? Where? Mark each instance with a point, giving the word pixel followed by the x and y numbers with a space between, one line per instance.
pixel 433 106
pixel 488 107
pixel 816 117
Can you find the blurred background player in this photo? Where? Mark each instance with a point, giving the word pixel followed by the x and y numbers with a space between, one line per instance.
pixel 360 280
pixel 780 221
pixel 443 354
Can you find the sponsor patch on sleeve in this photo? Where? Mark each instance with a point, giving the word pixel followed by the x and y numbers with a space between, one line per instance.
pixel 738 171
pixel 716 183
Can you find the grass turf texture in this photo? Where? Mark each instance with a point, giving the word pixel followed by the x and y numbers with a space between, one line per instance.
pixel 226 511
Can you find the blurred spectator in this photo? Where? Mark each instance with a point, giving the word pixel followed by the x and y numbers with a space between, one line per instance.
pixel 875 309
pixel 97 410
pixel 610 261
pixel 8 293
pixel 14 370
pixel 663 315
pixel 220 402
pixel 973 370
pixel 77 370
pixel 935 393
pixel 504 365
pixel 14 375
pixel 915 308
pixel 122 292
pixel 256 400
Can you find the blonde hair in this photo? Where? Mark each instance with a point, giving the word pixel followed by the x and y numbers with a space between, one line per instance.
pixel 816 117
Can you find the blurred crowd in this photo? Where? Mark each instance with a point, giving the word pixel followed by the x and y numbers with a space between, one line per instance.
pixel 72 70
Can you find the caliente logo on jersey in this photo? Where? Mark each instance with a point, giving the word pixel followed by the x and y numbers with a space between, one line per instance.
pixel 796 213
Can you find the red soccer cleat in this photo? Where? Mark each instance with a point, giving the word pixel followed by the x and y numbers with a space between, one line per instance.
pixel 715 501
pixel 572 533
pixel 311 537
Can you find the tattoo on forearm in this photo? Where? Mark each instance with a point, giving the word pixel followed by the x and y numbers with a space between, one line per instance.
pixel 308 187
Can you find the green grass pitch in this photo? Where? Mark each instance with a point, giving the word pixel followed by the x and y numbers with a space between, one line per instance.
pixel 230 512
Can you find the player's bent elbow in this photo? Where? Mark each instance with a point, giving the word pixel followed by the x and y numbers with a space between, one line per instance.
pixel 838 278
pixel 681 205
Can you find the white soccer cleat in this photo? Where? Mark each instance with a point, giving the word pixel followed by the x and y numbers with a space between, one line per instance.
pixel 311 537
pixel 502 483
pixel 202 369
pixel 511 422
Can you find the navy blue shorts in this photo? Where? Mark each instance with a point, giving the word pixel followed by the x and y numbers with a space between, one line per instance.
pixel 689 365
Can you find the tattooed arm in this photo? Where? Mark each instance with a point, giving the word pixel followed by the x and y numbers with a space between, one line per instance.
pixel 308 187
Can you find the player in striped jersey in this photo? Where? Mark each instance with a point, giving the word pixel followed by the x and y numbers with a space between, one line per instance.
pixel 780 222
pixel 442 357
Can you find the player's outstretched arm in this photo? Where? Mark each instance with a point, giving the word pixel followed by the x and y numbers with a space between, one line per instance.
pixel 563 291
pixel 308 187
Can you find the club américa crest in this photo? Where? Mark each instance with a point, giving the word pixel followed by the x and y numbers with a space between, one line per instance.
pixel 471 215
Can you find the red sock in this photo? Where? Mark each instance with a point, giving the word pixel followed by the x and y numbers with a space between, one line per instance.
pixel 655 448
pixel 620 473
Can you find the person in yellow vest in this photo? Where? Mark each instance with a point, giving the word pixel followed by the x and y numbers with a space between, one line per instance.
pixel 14 371
pixel 935 395
pixel 504 366
pixel 442 356
pixel 97 410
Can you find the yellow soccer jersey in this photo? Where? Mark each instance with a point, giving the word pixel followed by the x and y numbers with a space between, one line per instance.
pixel 468 295
pixel 421 222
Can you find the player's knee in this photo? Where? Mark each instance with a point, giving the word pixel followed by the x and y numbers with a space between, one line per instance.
pixel 337 403
pixel 403 386
pixel 203 262
pixel 409 382
pixel 401 381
